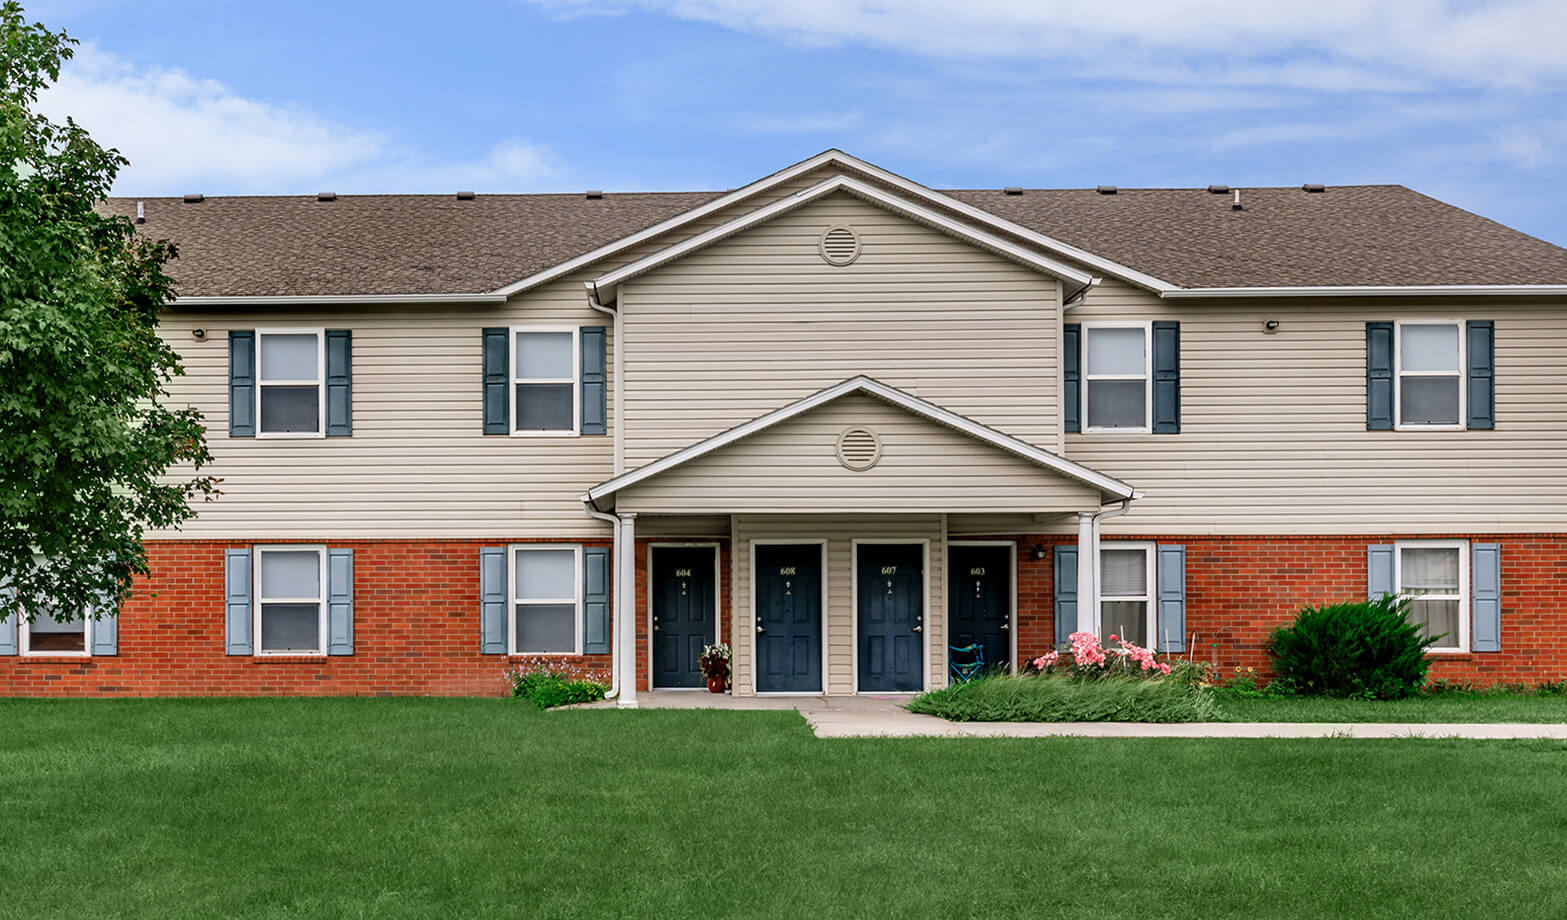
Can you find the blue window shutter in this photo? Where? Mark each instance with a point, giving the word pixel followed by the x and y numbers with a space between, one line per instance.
pixel 1482 374
pixel 1072 376
pixel 106 630
pixel 1379 571
pixel 8 621
pixel 339 383
pixel 595 377
pixel 595 600
pixel 497 381
pixel 1066 593
pixel 1485 635
pixel 1166 378
pixel 242 383
pixel 237 618
pixel 492 600
pixel 1379 376
pixel 1171 621
pixel 340 602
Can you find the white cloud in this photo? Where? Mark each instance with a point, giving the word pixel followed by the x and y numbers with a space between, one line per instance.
pixel 1331 44
pixel 184 133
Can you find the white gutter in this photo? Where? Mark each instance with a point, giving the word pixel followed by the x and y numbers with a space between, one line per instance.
pixel 1405 290
pixel 306 300
pixel 614 632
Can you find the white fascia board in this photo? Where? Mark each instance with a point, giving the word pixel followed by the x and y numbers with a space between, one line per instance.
pixel 605 284
pixel 838 157
pixel 1407 290
pixel 872 387
pixel 305 300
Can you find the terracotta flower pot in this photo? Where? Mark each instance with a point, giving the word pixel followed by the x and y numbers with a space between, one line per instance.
pixel 715 683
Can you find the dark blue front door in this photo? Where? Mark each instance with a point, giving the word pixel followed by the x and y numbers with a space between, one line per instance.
pixel 891 602
pixel 788 618
pixel 683 613
pixel 979 601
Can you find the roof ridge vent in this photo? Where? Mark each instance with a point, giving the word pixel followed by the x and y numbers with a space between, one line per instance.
pixel 194 198
pixel 1218 189
pixel 1313 187
pixel 1106 190
pixel 594 194
pixel 326 196
pixel 1013 190
pixel 466 196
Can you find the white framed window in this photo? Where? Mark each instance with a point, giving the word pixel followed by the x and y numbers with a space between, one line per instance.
pixel 1434 576
pixel 1117 370
pixel 1428 373
pixel 1126 585
pixel 47 635
pixel 290 604
pixel 546 599
pixel 546 364
pixel 291 383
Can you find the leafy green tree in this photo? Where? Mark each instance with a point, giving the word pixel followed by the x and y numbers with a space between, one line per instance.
pixel 91 456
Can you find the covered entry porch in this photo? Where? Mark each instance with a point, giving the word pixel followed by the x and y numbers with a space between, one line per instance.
pixel 835 516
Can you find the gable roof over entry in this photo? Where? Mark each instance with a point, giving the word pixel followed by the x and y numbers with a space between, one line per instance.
pixel 1059 477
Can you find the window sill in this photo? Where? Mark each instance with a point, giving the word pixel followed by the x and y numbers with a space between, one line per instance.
pixel 292 656
pixel 56 657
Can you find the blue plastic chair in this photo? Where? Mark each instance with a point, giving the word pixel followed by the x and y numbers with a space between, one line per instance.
pixel 966 663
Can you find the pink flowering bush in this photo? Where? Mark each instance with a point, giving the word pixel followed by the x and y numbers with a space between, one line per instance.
pixel 1089 659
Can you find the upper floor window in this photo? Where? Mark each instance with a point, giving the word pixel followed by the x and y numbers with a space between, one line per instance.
pixel 1435 579
pixel 291 382
pixel 1115 382
pixel 544 378
pixel 1430 374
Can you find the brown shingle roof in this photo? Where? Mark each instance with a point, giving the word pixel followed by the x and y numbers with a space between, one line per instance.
pixel 427 244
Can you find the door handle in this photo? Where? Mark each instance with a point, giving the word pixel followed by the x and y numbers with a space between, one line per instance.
pixel 918 629
pixel 1006 625
pixel 760 629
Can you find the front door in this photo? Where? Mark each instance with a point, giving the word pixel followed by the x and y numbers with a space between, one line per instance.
pixel 684 613
pixel 788 618
pixel 979 601
pixel 890 582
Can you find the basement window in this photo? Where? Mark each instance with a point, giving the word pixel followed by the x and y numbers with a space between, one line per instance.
pixel 544 375
pixel 546 603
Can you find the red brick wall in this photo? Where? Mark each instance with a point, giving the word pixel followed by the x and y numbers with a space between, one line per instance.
pixel 1238 589
pixel 416 632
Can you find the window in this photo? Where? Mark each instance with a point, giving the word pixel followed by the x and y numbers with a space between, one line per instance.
pixel 1435 578
pixel 46 635
pixel 290 393
pixel 1115 382
pixel 290 607
pixel 546 601
pixel 1126 582
pixel 1430 374
pixel 544 376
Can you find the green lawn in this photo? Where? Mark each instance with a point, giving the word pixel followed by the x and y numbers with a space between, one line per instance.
pixel 1443 708
pixel 486 808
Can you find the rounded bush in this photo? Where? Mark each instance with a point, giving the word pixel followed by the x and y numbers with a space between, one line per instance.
pixel 1364 649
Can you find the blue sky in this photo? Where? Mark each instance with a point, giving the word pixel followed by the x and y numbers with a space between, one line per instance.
pixel 1463 100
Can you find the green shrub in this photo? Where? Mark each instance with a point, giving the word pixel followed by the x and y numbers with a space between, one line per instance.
pixel 1366 649
pixel 548 689
pixel 1061 699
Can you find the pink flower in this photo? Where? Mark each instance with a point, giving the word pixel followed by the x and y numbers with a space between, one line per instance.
pixel 1165 668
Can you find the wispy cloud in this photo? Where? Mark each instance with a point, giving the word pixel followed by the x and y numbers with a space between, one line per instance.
pixel 820 123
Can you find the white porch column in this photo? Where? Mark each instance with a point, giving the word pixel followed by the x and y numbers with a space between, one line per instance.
pixel 1087 573
pixel 626 609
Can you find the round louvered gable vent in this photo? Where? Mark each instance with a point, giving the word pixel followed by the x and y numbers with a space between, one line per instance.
pixel 840 245
pixel 858 448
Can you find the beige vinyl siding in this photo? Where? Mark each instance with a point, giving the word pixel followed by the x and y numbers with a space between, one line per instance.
pixel 793 466
pixel 757 321
pixel 840 532
pixel 418 463
pixel 1273 431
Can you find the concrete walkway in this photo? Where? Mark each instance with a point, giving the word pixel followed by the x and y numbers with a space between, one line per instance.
pixel 885 717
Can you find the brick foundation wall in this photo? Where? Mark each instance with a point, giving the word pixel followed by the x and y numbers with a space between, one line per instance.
pixel 416 632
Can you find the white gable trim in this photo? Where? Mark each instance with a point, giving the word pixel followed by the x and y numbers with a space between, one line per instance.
pixel 872 387
pixel 839 158
pixel 604 286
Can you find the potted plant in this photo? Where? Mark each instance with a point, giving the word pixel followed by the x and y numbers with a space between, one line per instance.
pixel 715 666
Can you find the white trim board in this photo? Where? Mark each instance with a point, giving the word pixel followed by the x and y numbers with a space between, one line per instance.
pixel 605 286
pixel 871 387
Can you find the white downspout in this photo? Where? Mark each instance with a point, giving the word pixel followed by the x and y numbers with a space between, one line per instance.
pixel 614 314
pixel 614 633
pixel 1093 567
